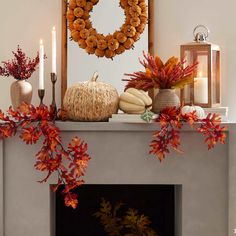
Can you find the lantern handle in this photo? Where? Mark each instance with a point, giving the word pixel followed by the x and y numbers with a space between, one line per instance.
pixel 201 36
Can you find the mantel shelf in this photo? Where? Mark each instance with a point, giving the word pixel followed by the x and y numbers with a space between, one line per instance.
pixel 126 127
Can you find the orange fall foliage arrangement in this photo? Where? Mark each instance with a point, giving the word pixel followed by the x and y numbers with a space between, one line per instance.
pixel 33 123
pixel 159 75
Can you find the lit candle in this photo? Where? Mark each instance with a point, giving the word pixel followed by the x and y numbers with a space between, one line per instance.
pixel 41 65
pixel 201 89
pixel 54 51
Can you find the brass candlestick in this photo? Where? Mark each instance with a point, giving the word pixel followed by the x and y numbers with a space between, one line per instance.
pixel 53 104
pixel 41 93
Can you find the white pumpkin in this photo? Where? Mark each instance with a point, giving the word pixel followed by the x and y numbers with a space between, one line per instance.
pixel 134 101
pixel 91 101
pixel 199 111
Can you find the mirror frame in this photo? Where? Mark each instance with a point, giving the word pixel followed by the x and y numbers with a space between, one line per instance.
pixel 151 35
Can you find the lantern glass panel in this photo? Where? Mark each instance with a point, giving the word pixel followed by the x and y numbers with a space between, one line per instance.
pixel 188 61
pixel 215 77
pixel 197 93
pixel 201 78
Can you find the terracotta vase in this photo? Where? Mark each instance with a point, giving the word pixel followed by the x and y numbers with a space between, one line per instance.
pixel 21 91
pixel 165 98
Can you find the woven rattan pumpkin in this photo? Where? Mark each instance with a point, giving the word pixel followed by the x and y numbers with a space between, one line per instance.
pixel 91 101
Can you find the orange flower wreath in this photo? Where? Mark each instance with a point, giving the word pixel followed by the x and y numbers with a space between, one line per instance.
pixel 82 32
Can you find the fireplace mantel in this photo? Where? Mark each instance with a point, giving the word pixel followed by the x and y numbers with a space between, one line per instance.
pixel 120 156
pixel 116 126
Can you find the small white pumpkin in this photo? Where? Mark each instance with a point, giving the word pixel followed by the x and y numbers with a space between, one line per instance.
pixel 134 101
pixel 199 111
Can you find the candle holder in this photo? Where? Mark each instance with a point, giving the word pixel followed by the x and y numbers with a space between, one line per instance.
pixel 205 90
pixel 41 93
pixel 53 104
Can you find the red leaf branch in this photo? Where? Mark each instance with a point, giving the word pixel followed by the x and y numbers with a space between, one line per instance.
pixel 33 123
pixel 171 121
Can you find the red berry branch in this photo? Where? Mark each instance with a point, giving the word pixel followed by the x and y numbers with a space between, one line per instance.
pixel 20 67
pixel 172 120
pixel 33 123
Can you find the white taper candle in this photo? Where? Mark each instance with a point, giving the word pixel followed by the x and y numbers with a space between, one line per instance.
pixel 54 51
pixel 201 89
pixel 41 65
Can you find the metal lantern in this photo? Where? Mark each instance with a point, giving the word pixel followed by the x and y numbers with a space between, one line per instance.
pixel 205 91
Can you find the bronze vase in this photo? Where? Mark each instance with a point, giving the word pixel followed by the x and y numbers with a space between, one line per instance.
pixel 165 98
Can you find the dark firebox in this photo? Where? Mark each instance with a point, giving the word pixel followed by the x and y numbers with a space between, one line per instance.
pixel 153 204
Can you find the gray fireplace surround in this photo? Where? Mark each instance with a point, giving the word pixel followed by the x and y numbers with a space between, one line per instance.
pixel 206 199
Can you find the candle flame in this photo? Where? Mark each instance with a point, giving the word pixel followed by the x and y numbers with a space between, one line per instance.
pixel 54 28
pixel 200 74
pixel 41 42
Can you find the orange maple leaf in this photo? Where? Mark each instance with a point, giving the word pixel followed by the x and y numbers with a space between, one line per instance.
pixel 7 130
pixel 30 135
pixel 42 158
pixel 75 142
pixel 71 200
pixel 24 108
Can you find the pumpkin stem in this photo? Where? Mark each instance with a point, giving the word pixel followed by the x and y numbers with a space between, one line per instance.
pixel 95 77
pixel 148 106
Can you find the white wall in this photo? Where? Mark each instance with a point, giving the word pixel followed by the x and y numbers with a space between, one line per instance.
pixel 25 22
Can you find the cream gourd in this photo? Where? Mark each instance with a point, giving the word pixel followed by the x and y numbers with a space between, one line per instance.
pixel 134 101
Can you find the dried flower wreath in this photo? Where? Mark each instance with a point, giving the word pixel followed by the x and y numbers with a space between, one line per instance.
pixel 78 16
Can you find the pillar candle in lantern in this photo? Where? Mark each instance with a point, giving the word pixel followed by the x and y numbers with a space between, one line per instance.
pixel 54 51
pixel 201 89
pixel 41 65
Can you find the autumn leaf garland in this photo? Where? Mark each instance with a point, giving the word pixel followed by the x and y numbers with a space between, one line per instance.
pixel 171 121
pixel 33 123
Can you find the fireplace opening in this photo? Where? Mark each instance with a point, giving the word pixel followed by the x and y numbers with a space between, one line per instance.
pixel 118 210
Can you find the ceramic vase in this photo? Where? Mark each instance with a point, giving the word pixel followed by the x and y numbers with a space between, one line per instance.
pixel 165 98
pixel 21 91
